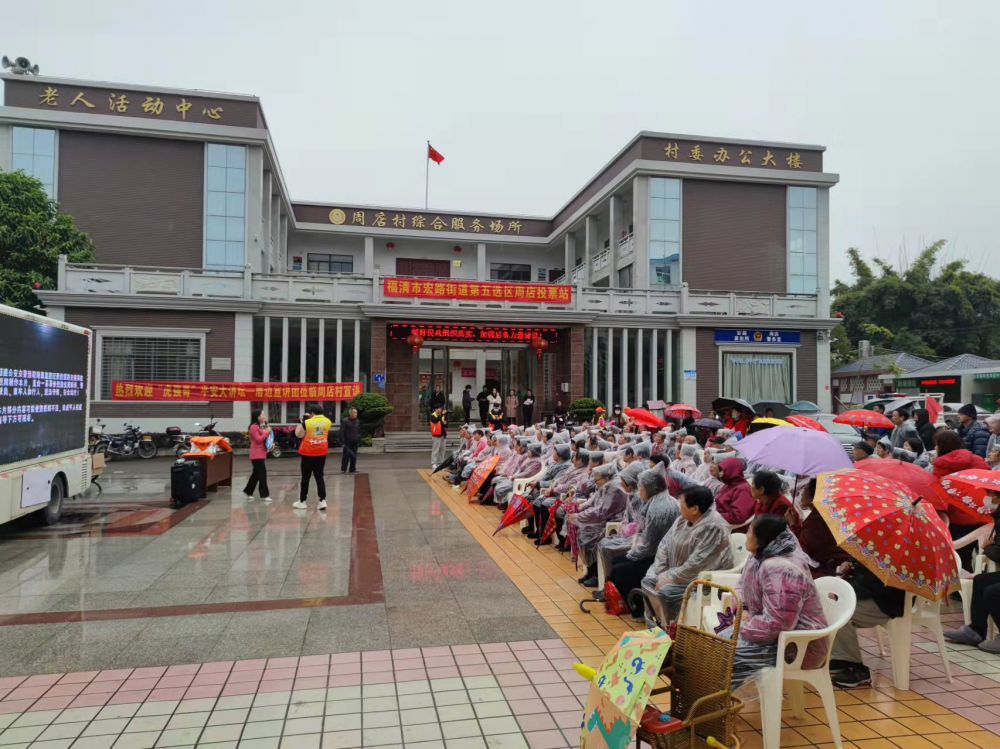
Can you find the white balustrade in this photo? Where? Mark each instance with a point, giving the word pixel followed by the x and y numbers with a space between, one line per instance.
pixel 626 246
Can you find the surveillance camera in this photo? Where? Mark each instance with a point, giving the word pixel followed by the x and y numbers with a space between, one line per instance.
pixel 20 66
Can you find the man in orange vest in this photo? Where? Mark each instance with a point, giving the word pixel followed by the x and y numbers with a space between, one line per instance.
pixel 439 430
pixel 314 433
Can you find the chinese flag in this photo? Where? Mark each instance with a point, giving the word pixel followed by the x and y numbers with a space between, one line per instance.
pixel 933 408
pixel 433 155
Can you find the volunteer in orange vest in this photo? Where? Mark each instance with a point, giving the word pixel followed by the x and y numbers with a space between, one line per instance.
pixel 439 430
pixel 313 430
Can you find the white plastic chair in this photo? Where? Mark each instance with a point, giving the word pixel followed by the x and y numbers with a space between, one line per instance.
pixel 978 537
pixel 696 613
pixel 610 529
pixel 917 612
pixel 520 485
pixel 838 600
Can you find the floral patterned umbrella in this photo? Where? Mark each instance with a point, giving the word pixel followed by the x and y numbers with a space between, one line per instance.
pixel 804 421
pixel 861 417
pixel 680 411
pixel 964 493
pixel 881 523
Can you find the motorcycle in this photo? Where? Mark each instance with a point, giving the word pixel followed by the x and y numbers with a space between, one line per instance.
pixel 131 442
pixel 95 439
pixel 180 442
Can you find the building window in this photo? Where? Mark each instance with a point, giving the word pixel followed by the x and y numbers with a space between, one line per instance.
pixel 330 263
pixel 510 272
pixel 625 277
pixel 757 376
pixel 664 231
pixel 131 358
pixel 802 277
pixel 225 207
pixel 35 153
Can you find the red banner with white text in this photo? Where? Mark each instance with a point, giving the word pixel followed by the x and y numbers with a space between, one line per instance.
pixel 478 291
pixel 161 390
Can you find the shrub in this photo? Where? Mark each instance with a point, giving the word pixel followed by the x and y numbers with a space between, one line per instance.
pixel 457 416
pixel 582 409
pixel 372 410
pixel 366 441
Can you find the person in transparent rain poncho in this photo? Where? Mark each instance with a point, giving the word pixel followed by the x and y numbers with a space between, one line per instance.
pixel 778 595
pixel 572 479
pixel 697 542
pixel 606 505
pixel 528 467
pixel 627 558
pixel 685 463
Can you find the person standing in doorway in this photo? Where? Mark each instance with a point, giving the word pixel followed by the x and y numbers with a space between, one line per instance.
pixel 467 404
pixel 437 398
pixel 439 431
pixel 258 432
pixel 350 438
pixel 495 399
pixel 314 432
pixel 484 405
pixel 511 407
pixel 528 407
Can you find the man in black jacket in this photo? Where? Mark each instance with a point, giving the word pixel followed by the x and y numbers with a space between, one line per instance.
pixel 350 438
pixel 877 604
pixel 972 431
pixel 467 403
pixel 484 405
pixel 437 398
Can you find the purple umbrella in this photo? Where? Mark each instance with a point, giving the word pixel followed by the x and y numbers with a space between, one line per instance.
pixel 797 450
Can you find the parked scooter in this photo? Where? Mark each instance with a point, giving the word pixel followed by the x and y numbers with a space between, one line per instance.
pixel 180 442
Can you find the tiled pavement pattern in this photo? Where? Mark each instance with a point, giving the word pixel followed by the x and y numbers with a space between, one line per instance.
pixel 459 651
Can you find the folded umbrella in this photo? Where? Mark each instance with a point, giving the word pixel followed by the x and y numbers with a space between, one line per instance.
pixel 884 526
pixel 797 450
pixel 644 417
pixel 446 463
pixel 804 421
pixel 680 411
pixel 550 524
pixel 861 417
pixel 919 481
pixel 517 510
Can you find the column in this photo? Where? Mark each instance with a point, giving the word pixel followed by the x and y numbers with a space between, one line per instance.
pixel 340 357
pixel 613 240
pixel 638 369
pixel 242 362
pixel 589 248
pixel 357 351
pixel 824 398
pixel 267 361
pixel 654 391
pixel 320 369
pixel 689 362
pixel 274 243
pixel 609 397
pixel 369 256
pixel 283 264
pixel 640 232
pixel 595 362
pixel 668 368
pixel 284 366
pixel 624 400
pixel 569 256
pixel 303 343
pixel 482 271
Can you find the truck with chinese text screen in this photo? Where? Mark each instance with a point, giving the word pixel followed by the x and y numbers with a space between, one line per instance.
pixel 44 406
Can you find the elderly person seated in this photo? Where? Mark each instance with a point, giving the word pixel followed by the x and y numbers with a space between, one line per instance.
pixel 507 467
pixel 570 480
pixel 506 454
pixel 561 461
pixel 529 466
pixel 627 557
pixel 734 502
pixel 778 595
pixel 861 451
pixel 768 489
pixel 815 537
pixel 685 462
pixel 659 443
pixel 697 542
pixel 605 505
pixel 480 449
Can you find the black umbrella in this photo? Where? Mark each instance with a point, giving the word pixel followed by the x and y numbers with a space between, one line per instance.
pixel 722 404
pixel 780 409
pixel 709 423
pixel 444 464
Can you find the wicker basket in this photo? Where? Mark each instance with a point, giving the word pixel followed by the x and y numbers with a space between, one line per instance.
pixel 700 688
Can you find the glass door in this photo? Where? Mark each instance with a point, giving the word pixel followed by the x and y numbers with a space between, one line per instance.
pixel 432 372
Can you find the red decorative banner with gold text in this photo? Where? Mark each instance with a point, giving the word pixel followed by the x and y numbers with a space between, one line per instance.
pixel 160 390
pixel 478 291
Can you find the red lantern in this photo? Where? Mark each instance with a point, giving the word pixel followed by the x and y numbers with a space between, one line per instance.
pixel 415 341
pixel 539 344
pixel 457 248
pixel 390 245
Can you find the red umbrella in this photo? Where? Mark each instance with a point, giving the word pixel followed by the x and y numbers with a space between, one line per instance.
pixel 881 524
pixel 517 510
pixel 678 411
pixel 804 421
pixel 980 477
pixel 964 493
pixel 861 417
pixel 480 474
pixel 919 481
pixel 644 417
pixel 550 524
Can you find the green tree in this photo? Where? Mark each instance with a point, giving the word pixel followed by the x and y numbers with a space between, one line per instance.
pixel 33 234
pixel 924 309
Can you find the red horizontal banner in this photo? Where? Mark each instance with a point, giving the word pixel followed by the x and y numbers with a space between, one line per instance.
pixel 478 291
pixel 160 390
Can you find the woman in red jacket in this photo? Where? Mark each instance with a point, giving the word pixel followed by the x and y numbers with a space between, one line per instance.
pixel 734 502
pixel 257 433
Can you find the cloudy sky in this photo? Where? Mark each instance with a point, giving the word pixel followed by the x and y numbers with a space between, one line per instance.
pixel 527 100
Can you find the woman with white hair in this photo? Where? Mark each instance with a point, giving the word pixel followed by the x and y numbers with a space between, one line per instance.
pixel 606 505
pixel 685 463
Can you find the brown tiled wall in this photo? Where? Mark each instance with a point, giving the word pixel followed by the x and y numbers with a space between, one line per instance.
pixel 733 236
pixel 577 344
pixel 805 385
pixel 140 199
pixel 399 386
pixel 219 342
pixel 707 362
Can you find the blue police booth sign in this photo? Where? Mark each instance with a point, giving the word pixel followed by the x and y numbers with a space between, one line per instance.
pixel 379 379
pixel 758 337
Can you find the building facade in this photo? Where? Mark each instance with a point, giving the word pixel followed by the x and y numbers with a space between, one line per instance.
pixel 686 268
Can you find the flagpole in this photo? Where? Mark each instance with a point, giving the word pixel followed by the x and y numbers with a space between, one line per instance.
pixel 427 172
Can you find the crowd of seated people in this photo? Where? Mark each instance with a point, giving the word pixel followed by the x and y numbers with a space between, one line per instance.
pixel 655 511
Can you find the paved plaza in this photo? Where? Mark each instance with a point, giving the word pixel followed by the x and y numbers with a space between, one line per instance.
pixel 395 618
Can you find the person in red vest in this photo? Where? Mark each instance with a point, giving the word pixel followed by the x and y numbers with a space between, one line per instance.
pixel 439 431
